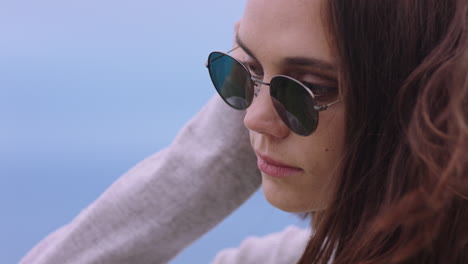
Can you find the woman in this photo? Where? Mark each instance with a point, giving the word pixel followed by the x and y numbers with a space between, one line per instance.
pixel 370 136
pixel 385 171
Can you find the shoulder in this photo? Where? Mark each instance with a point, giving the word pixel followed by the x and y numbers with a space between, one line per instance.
pixel 286 246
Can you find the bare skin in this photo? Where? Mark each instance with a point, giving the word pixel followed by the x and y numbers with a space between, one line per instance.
pixel 270 32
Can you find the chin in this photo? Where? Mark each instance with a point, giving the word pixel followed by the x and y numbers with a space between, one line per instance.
pixel 285 206
pixel 288 199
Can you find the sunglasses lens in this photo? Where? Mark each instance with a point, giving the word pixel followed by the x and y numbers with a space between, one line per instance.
pixel 231 80
pixel 294 105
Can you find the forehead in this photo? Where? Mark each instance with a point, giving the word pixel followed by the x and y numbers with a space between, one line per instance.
pixel 285 28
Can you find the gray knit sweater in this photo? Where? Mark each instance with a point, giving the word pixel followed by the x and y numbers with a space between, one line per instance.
pixel 172 198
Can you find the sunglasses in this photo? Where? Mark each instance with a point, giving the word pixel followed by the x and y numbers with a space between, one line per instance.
pixel 294 102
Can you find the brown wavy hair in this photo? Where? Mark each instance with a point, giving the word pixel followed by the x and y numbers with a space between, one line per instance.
pixel 402 194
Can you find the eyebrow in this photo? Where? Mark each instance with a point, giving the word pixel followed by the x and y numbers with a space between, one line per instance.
pixel 297 61
pixel 244 47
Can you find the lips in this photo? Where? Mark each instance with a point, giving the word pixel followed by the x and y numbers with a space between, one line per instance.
pixel 274 168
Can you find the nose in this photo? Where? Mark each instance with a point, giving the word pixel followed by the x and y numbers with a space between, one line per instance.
pixel 262 117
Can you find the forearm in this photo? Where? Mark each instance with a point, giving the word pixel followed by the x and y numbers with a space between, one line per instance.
pixel 165 202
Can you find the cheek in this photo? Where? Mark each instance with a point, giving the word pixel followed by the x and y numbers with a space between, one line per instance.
pixel 319 155
pixel 322 152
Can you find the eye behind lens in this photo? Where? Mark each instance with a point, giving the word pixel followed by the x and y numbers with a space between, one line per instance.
pixel 294 104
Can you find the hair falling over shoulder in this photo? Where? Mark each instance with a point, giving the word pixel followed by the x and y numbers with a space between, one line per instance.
pixel 402 195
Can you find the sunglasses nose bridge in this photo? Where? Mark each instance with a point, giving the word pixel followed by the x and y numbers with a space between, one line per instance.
pixel 257 83
pixel 261 115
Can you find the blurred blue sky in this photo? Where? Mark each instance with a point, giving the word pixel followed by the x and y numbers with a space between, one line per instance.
pixel 88 89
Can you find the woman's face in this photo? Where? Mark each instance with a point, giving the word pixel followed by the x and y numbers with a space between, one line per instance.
pixel 288 37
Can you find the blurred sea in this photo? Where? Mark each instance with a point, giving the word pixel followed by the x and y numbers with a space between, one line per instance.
pixel 90 88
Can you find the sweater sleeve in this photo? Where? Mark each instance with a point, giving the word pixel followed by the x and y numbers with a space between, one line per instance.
pixel 284 247
pixel 165 202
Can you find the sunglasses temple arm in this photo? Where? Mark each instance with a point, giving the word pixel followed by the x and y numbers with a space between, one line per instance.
pixel 207 62
pixel 232 50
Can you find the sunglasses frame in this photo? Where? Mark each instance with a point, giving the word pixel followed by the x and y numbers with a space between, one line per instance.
pixel 256 83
